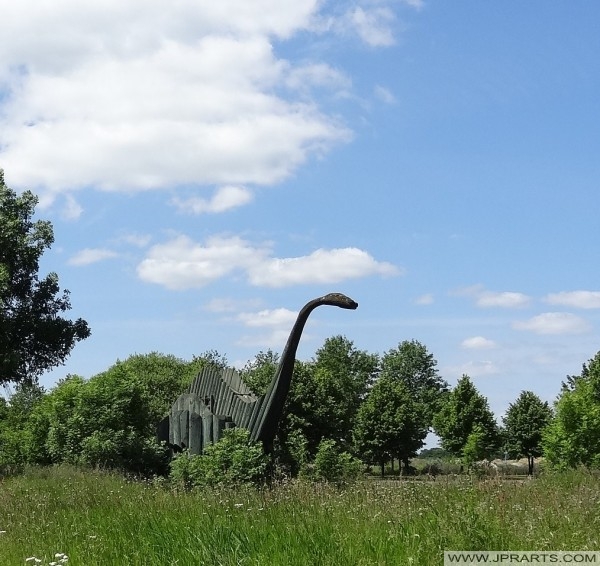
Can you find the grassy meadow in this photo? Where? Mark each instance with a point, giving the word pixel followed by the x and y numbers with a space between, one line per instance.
pixel 98 518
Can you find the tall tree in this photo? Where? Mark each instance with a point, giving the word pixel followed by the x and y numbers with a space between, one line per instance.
pixel 413 365
pixel 388 423
pixel 33 335
pixel 463 409
pixel 342 375
pixel 573 437
pixel 524 422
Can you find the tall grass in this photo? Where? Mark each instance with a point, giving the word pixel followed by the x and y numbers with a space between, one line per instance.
pixel 101 519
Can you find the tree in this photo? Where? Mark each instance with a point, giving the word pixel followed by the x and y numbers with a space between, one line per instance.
pixel 524 423
pixel 388 424
pixel 259 372
pixel 573 437
pixel 33 335
pixel 342 375
pixel 324 397
pixel 414 366
pixel 463 409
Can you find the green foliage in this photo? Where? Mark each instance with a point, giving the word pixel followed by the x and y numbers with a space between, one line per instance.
pixel 388 423
pixel 232 461
pixel 411 363
pixel 463 409
pixel 99 519
pixel 258 373
pixel 324 396
pixel 33 335
pixel 110 420
pixel 335 465
pixel 15 436
pixel 342 376
pixel 572 439
pixel 524 423
pixel 475 448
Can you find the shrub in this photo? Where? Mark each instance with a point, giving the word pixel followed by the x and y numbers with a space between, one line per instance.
pixel 333 465
pixel 231 461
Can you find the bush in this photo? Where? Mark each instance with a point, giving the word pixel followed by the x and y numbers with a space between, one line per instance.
pixel 232 461
pixel 333 465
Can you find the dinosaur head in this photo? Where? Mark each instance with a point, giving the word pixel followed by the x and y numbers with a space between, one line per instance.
pixel 338 300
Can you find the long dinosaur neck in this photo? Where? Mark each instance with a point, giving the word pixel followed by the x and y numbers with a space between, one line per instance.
pixel 274 399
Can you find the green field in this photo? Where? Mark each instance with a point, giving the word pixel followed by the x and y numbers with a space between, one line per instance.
pixel 98 518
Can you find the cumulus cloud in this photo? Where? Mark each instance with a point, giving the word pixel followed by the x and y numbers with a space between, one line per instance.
pixel 322 266
pixel 477 343
pixel 578 299
pixel 139 95
pixel 225 198
pixel 182 263
pixel 554 323
pixel 487 299
pixel 88 256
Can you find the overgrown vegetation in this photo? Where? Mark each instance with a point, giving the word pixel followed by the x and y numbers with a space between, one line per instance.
pixel 98 518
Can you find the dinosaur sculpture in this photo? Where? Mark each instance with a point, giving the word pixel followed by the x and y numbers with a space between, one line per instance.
pixel 218 398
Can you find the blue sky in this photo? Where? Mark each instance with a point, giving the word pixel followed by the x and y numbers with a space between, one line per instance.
pixel 210 167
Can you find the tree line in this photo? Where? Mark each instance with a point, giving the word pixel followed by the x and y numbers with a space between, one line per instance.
pixel 344 401
pixel 375 408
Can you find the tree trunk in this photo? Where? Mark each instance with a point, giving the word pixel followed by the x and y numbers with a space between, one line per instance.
pixel 530 465
pixel 382 467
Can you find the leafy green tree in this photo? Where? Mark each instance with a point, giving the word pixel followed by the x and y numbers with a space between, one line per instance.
pixel 524 422
pixel 259 372
pixel 34 337
pixel 388 424
pixel 324 397
pixel 573 437
pixel 412 364
pixel 14 414
pixel 463 409
pixel 110 420
pixel 342 375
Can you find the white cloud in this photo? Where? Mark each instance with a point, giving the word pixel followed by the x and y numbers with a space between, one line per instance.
pixel 72 210
pixel 578 299
pixel 88 256
pixel 269 318
pixel 554 323
pixel 487 299
pixel 373 25
pixel 426 299
pixel 137 240
pixel 225 198
pixel 477 343
pixel 182 263
pixel 148 95
pixel 322 266
pixel 384 95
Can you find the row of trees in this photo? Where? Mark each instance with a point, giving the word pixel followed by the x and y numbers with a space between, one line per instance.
pixel 380 408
